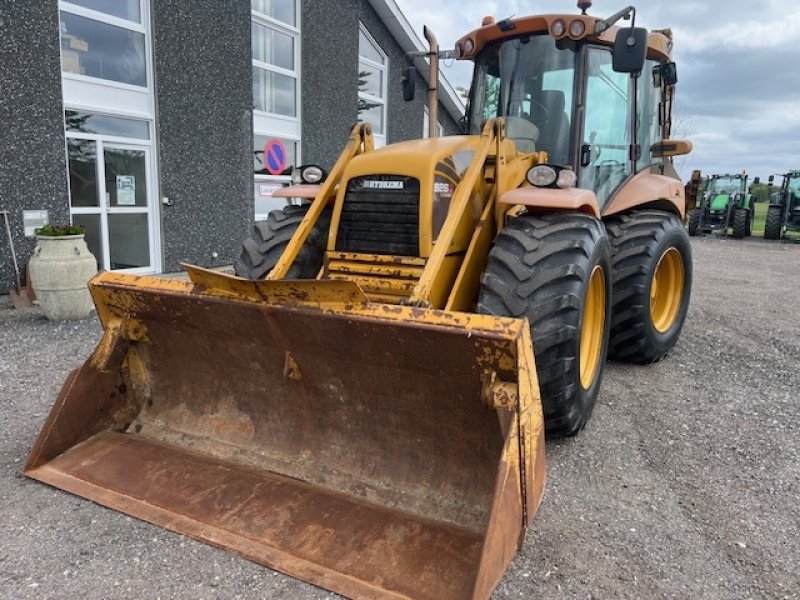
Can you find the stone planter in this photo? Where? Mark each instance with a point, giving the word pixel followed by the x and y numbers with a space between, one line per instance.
pixel 60 270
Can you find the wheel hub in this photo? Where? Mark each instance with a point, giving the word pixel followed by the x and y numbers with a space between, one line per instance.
pixel 592 327
pixel 666 290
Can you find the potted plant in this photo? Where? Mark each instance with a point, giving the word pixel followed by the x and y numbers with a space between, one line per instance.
pixel 60 269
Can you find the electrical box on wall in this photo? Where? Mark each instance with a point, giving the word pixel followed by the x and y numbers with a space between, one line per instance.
pixel 33 219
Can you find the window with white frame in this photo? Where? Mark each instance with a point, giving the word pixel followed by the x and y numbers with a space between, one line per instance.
pixel 276 97
pixel 104 40
pixel 373 68
pixel 275 36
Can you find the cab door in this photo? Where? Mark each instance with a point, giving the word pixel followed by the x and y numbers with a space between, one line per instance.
pixel 605 161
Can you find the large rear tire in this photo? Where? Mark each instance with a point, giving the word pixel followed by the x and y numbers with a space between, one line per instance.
pixel 693 221
pixel 741 222
pixel 774 223
pixel 652 261
pixel 268 239
pixel 555 270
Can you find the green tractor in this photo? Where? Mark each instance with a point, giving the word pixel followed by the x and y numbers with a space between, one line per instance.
pixel 783 213
pixel 726 204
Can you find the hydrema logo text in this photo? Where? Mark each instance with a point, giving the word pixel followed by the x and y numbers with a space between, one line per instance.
pixel 373 184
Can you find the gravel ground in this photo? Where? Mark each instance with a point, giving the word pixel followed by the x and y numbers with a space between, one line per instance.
pixel 685 484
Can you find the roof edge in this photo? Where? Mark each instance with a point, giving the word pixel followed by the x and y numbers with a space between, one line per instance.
pixel 404 33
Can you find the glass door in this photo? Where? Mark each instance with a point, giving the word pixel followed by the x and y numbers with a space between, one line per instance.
pixel 605 154
pixel 111 193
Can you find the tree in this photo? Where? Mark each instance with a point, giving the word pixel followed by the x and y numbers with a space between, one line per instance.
pixel 364 105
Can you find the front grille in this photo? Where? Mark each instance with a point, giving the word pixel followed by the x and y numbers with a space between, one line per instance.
pixel 380 215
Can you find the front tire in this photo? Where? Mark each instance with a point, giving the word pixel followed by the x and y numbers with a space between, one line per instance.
pixel 652 261
pixel 555 270
pixel 268 240
pixel 774 222
pixel 741 222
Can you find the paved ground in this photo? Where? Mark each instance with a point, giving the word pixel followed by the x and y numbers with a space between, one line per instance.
pixel 685 484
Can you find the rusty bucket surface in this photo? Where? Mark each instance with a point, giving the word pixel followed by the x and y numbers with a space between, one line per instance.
pixel 376 451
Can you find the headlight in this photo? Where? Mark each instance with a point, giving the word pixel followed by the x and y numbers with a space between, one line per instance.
pixel 567 179
pixel 312 174
pixel 558 28
pixel 541 176
pixel 576 29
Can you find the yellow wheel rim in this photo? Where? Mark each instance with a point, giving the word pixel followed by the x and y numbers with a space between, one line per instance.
pixel 593 327
pixel 666 291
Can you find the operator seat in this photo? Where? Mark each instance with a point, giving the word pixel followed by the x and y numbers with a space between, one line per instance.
pixel 554 137
pixel 523 133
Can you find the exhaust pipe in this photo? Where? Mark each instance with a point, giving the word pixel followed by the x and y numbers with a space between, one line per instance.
pixel 433 83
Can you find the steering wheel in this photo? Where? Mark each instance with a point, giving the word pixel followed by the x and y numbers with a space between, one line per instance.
pixel 541 112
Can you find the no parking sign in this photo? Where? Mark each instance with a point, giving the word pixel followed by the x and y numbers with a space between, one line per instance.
pixel 275 157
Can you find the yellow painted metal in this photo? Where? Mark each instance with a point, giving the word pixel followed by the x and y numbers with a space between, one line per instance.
pixel 382 278
pixel 592 327
pixel 360 141
pixel 313 292
pixel 413 158
pixel 434 281
pixel 465 288
pixel 383 259
pixel 380 285
pixel 359 268
pixel 666 290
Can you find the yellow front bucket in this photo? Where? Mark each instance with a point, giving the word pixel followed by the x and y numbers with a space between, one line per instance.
pixel 376 451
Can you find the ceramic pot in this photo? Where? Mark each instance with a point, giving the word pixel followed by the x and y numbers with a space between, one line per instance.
pixel 60 270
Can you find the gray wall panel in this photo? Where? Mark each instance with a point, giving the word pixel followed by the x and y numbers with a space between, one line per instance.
pixel 202 54
pixel 330 63
pixel 33 171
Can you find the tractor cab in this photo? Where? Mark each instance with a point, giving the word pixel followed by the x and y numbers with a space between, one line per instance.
pixel 727 204
pixel 783 213
pixel 594 98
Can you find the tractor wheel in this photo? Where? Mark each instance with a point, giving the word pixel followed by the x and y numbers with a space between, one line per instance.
pixel 555 270
pixel 774 222
pixel 741 222
pixel 268 239
pixel 652 261
pixel 693 221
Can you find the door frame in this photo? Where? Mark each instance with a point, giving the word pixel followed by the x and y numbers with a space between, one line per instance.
pixel 103 209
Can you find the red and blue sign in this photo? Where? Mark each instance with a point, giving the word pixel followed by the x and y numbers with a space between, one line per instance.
pixel 275 157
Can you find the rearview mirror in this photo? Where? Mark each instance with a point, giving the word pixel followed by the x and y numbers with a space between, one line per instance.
pixel 409 83
pixel 630 50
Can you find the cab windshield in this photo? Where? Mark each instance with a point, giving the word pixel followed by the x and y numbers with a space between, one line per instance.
pixel 794 184
pixel 529 80
pixel 726 185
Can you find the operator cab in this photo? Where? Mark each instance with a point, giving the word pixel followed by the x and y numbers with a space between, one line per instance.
pixel 566 85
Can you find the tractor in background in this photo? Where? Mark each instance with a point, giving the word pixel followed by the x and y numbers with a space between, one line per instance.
pixel 727 204
pixel 783 213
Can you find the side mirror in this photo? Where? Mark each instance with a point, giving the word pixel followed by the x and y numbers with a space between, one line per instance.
pixel 669 73
pixel 771 179
pixel 409 83
pixel 630 50
pixel 756 181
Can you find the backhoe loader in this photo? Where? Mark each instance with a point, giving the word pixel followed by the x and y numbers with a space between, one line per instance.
pixel 364 406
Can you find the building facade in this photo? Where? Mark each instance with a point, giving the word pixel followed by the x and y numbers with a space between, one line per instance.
pixel 163 126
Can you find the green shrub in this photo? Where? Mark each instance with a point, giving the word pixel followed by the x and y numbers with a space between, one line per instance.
pixel 59 230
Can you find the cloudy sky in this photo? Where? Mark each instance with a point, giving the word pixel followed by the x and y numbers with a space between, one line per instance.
pixel 738 66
